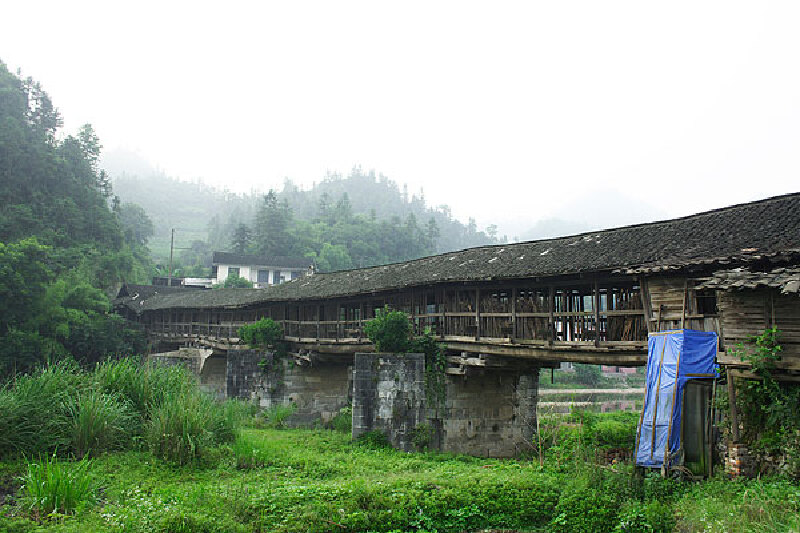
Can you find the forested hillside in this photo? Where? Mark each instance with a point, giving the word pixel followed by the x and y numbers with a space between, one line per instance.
pixel 65 240
pixel 342 222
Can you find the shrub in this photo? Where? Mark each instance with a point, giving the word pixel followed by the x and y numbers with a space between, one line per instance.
pixel 422 436
pixel 261 334
pixel 588 374
pixel 586 509
pixel 186 424
pixel 143 385
pixel 52 486
pixel 343 421
pixel 374 439
pixel 97 422
pixel 275 416
pixel 652 517
pixel 389 330
pixel 32 416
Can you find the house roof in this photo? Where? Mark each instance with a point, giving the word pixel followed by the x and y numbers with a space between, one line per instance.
pixel 230 258
pixel 787 279
pixel 133 296
pixel 744 233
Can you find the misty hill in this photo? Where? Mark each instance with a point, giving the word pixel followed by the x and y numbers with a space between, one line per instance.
pixel 367 215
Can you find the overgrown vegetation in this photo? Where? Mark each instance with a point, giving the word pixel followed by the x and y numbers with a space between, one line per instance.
pixel 769 409
pixel 391 332
pixel 119 405
pixel 65 240
pixel 306 480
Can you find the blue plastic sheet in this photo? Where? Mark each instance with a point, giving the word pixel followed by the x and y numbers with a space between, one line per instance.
pixel 673 358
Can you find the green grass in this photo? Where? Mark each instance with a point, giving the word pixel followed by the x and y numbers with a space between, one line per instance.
pixel 51 486
pixel 318 480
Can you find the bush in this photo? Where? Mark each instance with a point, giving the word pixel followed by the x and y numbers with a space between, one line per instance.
pixel 32 416
pixel 389 330
pixel 143 385
pixel 374 439
pixel 588 374
pixel 343 421
pixel 585 509
pixel 275 417
pixel 97 422
pixel 652 517
pixel 261 334
pixel 186 424
pixel 52 486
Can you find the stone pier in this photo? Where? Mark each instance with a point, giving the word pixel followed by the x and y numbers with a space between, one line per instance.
pixel 488 412
pixel 318 387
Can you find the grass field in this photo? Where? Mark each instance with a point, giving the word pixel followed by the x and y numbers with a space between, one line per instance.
pixel 306 480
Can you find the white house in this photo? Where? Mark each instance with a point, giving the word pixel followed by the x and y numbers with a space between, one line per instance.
pixel 261 271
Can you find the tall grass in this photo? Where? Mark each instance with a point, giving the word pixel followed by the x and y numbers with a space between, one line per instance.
pixel 52 486
pixel 98 421
pixel 119 405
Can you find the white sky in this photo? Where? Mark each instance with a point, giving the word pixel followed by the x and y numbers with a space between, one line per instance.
pixel 504 110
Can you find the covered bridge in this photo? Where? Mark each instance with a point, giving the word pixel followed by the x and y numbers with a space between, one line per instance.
pixel 592 297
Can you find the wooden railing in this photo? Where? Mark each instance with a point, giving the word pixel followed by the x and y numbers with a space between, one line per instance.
pixel 575 329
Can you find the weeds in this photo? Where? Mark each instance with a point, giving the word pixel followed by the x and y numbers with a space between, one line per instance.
pixel 54 487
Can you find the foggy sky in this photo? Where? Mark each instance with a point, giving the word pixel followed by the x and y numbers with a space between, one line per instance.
pixel 509 112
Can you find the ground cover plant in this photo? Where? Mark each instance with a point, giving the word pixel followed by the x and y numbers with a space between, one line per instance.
pixel 319 480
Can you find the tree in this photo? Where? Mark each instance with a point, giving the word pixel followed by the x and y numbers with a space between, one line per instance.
pixel 587 374
pixel 390 331
pixel 241 239
pixel 235 282
pixel 333 257
pixel 136 224
pixel 272 223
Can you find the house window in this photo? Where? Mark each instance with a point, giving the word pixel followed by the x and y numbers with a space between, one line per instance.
pixel 706 302
pixel 295 274
pixel 233 271
pixel 263 276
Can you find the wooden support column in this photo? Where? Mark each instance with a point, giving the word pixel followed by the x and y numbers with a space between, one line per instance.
pixel 444 313
pixel 551 304
pixel 477 314
pixel 413 313
pixel 732 407
pixel 644 295
pixel 318 324
pixel 338 320
pixel 513 314
pixel 596 314
pixel 685 298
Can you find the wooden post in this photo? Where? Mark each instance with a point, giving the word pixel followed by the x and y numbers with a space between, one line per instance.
pixel 318 325
pixel 338 320
pixel 513 314
pixel 685 297
pixel 732 407
pixel 596 313
pixel 477 314
pixel 551 304
pixel 644 295
pixel 413 313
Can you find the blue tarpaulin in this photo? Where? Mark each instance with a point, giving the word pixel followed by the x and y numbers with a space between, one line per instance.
pixel 673 358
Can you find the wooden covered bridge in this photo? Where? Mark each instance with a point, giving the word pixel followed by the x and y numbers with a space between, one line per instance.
pixel 591 298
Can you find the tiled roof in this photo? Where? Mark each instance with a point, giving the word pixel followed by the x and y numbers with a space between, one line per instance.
pixel 740 233
pixel 229 258
pixel 785 279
